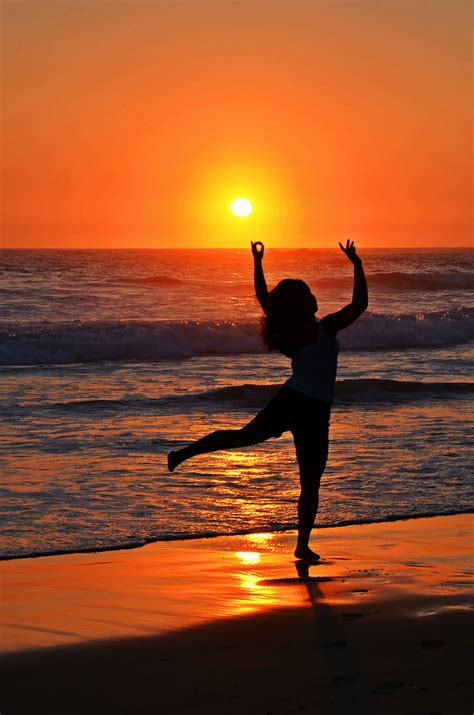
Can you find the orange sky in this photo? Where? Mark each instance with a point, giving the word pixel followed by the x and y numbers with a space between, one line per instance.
pixel 135 123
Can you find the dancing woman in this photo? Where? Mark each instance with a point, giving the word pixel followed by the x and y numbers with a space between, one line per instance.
pixel 303 404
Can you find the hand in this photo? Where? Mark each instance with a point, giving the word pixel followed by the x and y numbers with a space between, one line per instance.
pixel 256 251
pixel 350 251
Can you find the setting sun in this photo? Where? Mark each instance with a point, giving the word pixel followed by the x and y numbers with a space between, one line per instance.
pixel 241 207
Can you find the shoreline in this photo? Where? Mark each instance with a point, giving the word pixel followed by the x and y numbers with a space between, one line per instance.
pixel 382 624
pixel 191 537
pixel 223 577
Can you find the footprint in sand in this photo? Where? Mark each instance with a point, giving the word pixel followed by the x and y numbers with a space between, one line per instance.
pixel 432 645
pixel 343 680
pixel 388 687
pixel 352 616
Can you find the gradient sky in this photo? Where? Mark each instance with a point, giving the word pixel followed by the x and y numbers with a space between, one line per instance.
pixel 134 124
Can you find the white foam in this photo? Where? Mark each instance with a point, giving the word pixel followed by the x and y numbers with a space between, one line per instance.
pixel 64 343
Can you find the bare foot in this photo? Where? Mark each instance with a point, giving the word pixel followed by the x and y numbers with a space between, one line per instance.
pixel 173 461
pixel 307 554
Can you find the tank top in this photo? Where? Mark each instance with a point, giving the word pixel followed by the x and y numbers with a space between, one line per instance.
pixel 314 367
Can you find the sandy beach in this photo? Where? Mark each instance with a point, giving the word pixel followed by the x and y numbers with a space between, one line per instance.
pixel 383 624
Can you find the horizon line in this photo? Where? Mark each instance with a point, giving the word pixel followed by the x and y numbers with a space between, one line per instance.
pixel 225 248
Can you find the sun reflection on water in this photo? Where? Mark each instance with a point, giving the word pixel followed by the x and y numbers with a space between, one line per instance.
pixel 248 557
pixel 261 539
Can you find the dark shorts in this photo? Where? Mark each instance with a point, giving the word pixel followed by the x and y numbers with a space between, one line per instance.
pixel 305 417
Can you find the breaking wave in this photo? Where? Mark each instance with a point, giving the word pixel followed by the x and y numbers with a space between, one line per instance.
pixel 66 343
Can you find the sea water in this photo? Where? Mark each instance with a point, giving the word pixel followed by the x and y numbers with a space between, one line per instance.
pixel 109 359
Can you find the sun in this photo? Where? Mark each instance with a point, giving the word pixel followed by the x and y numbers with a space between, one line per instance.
pixel 241 207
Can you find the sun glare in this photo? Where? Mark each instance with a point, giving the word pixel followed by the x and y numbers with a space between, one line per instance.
pixel 241 207
pixel 248 557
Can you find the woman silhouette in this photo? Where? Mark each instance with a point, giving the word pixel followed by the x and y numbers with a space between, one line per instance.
pixel 303 405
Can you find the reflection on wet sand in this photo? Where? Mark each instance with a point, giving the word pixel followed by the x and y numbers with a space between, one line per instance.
pixel 172 585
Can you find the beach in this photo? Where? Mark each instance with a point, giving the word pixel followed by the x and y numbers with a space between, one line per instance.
pixel 382 624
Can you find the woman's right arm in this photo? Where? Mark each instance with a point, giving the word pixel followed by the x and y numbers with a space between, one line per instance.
pixel 260 283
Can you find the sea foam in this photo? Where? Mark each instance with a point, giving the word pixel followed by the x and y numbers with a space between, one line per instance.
pixel 65 343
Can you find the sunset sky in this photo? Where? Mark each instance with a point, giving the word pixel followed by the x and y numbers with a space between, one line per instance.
pixel 136 123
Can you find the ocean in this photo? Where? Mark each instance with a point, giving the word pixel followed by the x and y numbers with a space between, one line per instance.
pixel 111 358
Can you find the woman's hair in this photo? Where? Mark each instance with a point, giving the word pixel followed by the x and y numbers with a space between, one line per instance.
pixel 289 322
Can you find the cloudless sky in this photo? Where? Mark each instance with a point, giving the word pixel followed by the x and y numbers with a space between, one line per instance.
pixel 135 123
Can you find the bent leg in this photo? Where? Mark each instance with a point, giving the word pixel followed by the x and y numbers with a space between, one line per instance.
pixel 221 439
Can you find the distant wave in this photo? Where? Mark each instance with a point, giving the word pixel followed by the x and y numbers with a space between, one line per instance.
pixel 398 280
pixel 65 343
pixel 406 281
pixel 348 391
pixel 155 280
pixel 250 396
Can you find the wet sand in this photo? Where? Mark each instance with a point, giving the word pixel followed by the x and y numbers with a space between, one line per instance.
pixel 231 625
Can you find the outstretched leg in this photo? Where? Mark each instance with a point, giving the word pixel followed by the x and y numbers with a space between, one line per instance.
pixel 222 439
pixel 310 479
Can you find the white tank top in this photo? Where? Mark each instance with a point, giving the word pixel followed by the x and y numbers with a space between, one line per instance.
pixel 314 367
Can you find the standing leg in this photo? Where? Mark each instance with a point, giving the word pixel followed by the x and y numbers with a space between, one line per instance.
pixel 310 479
pixel 222 439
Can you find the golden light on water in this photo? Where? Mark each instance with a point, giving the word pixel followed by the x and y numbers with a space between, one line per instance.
pixel 241 207
pixel 260 537
pixel 248 557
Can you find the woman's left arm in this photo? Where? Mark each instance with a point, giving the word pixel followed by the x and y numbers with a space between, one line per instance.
pixel 360 299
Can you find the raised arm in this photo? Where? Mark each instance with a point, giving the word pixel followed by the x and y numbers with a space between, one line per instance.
pixel 261 289
pixel 345 317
